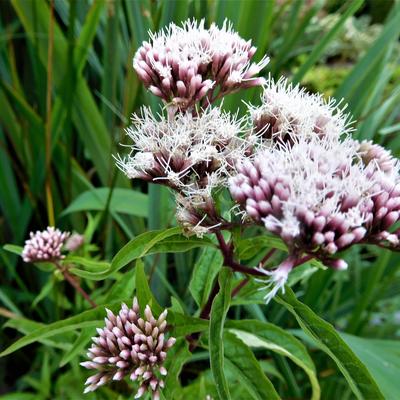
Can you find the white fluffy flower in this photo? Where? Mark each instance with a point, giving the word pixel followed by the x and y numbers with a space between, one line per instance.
pixel 187 152
pixel 288 112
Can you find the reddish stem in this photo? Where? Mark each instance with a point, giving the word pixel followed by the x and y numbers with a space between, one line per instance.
pixel 75 284
pixel 237 289
pixel 267 256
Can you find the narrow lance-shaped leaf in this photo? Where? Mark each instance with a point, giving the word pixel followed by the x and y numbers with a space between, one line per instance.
pixel 219 310
pixel 204 273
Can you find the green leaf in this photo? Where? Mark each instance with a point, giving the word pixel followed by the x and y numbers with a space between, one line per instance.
pixel 19 396
pixel 382 358
pixel 204 273
pixel 249 248
pixel 27 326
pixel 219 309
pixel 143 292
pixel 77 347
pixel 180 243
pixel 46 289
pixel 266 335
pixel 360 380
pixel 12 248
pixel 123 287
pixel 247 369
pixel 138 247
pixel 184 325
pixel 90 266
pixel 126 201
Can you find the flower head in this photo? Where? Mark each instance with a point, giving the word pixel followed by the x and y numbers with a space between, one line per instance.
pixel 44 246
pixel 130 345
pixel 288 112
pixel 313 194
pixel 186 152
pixel 182 64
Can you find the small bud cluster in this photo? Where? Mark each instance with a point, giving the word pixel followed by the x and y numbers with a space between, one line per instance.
pixel 74 242
pixel 130 345
pixel 288 111
pixel 183 64
pixel 44 245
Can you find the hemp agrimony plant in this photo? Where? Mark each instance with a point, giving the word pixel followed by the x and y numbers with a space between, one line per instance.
pixel 287 175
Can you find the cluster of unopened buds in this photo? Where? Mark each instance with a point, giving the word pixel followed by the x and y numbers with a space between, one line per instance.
pixel 130 346
pixel 47 245
pixel 44 245
pixel 290 164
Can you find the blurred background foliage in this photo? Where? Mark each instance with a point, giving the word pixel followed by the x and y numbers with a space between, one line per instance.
pixel 67 89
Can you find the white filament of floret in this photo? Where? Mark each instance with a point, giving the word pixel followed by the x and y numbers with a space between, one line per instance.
pixel 277 278
pixel 193 139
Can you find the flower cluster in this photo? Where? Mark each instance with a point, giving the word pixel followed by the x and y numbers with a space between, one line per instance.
pixel 290 165
pixel 313 194
pixel 130 345
pixel 190 154
pixel 288 111
pixel 44 245
pixel 183 64
pixel 312 185
pixel 183 152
